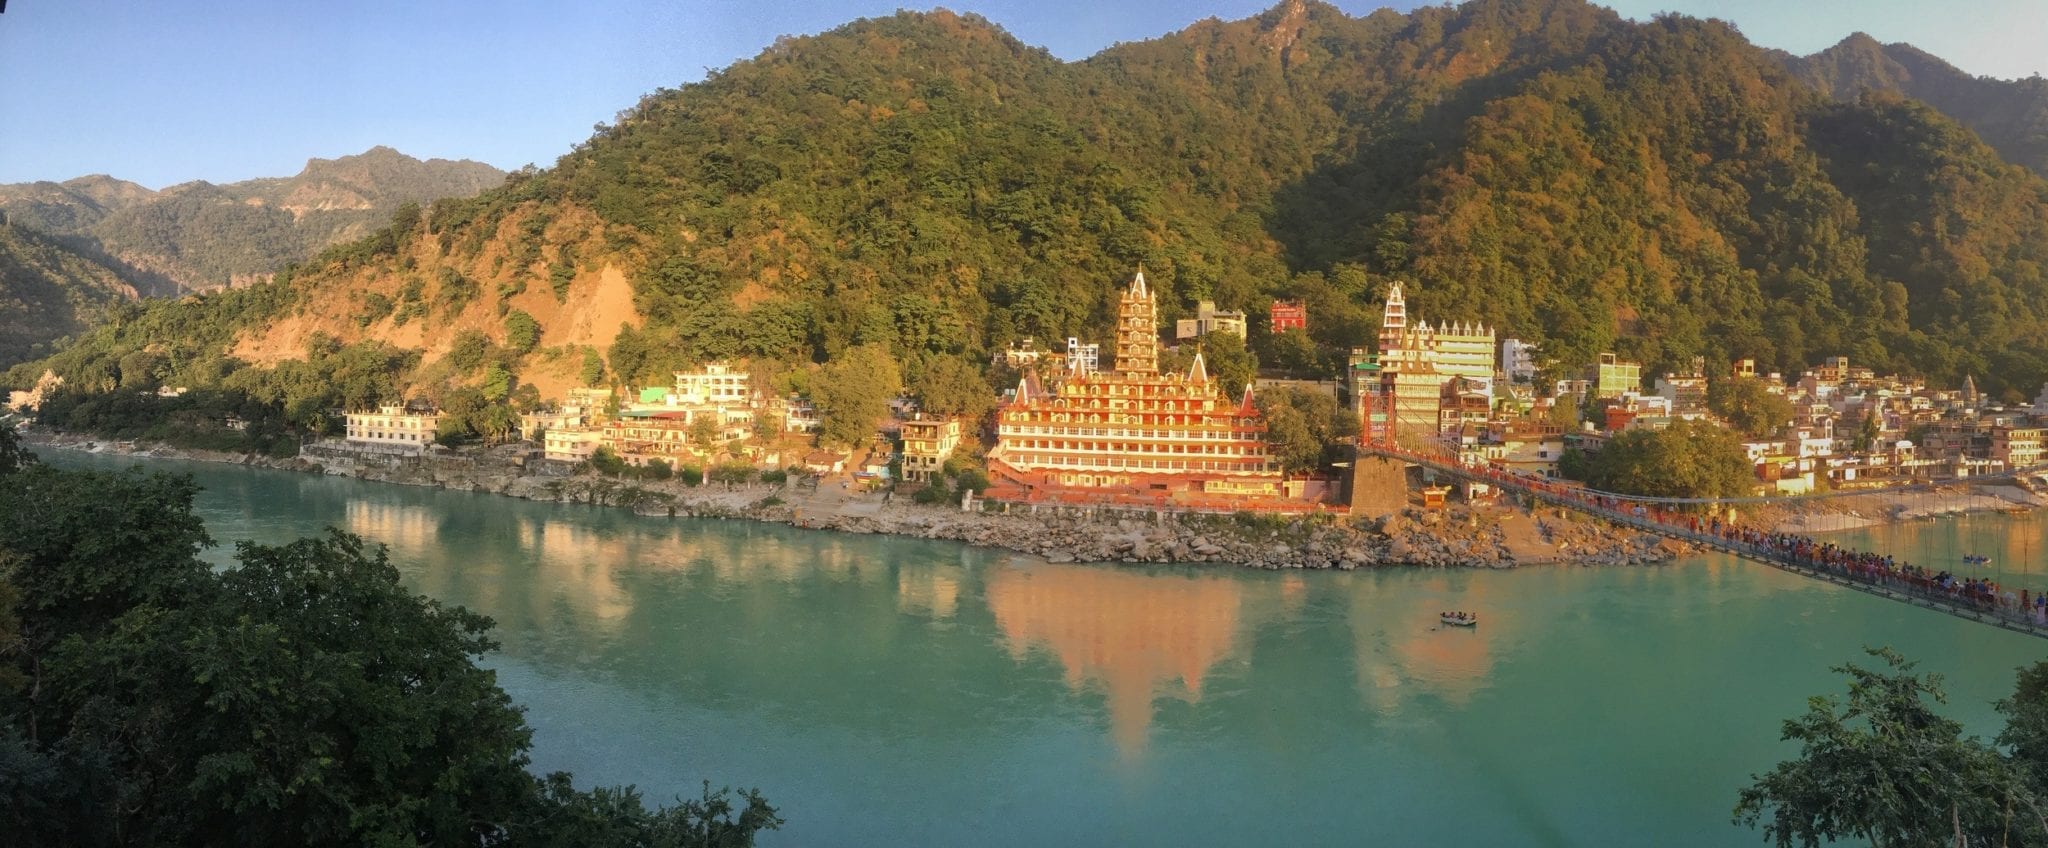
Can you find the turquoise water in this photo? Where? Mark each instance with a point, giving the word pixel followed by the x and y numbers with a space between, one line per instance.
pixel 892 692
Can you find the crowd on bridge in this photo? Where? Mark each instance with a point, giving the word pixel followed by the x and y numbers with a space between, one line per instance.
pixel 1984 595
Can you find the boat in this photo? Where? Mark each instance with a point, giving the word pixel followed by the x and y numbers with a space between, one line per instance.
pixel 1974 559
pixel 1458 619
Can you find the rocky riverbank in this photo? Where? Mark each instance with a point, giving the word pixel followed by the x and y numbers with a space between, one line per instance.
pixel 1482 536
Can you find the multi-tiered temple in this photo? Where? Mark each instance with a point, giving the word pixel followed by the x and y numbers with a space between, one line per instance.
pixel 1134 435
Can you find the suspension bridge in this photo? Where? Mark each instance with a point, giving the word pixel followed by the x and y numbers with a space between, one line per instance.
pixel 1662 516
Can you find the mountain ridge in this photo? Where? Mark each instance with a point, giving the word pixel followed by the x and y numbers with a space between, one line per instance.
pixel 927 183
pixel 198 234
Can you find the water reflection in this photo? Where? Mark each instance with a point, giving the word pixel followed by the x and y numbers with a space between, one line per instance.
pixel 1409 651
pixel 1135 636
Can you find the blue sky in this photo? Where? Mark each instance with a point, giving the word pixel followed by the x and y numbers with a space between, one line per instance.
pixel 163 92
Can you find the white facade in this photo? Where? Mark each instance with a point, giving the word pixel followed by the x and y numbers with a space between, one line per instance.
pixel 716 385
pixel 1518 360
pixel 571 445
pixel 393 426
pixel 1082 358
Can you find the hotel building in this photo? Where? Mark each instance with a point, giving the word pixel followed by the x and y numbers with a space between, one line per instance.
pixel 1133 433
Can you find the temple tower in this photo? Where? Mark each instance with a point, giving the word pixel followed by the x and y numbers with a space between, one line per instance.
pixel 1137 329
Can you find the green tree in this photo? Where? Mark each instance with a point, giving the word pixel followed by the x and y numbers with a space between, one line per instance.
pixel 853 394
pixel 949 386
pixel 593 367
pixel 1691 459
pixel 13 455
pixel 1305 430
pixel 468 351
pixel 522 333
pixel 1886 768
pixel 1749 406
pixel 1868 433
pixel 1230 363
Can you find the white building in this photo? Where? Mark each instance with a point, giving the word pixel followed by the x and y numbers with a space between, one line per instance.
pixel 571 445
pixel 394 426
pixel 716 385
pixel 1518 360
pixel 1082 358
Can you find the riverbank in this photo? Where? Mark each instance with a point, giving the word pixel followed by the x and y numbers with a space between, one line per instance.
pixel 1855 512
pixel 1475 536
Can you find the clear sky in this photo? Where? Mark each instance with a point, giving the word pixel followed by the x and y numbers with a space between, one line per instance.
pixel 162 92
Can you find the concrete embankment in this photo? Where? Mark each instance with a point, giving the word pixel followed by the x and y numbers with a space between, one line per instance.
pixel 1485 536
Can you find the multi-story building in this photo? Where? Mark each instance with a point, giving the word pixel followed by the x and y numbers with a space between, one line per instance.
pixel 714 385
pixel 1134 433
pixel 2017 447
pixel 1518 360
pixel 1208 319
pixel 393 426
pixel 1082 358
pixel 1287 315
pixel 640 435
pixel 1416 360
pixel 1021 353
pixel 926 444
pixel 570 445
pixel 1686 393
pixel 1613 376
pixel 2041 403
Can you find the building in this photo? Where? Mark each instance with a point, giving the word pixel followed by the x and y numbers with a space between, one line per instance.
pixel 570 445
pixel 926 444
pixel 1416 360
pixel 1082 358
pixel 715 385
pixel 1518 360
pixel 2041 403
pixel 1686 393
pixel 1287 315
pixel 1021 353
pixel 1208 319
pixel 800 416
pixel 2017 447
pixel 641 435
pixel 393 426
pixel 1135 434
pixel 1613 377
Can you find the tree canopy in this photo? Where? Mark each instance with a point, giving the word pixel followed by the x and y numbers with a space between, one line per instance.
pixel 1691 459
pixel 303 697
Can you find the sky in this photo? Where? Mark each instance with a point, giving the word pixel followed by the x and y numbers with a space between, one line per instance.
pixel 222 90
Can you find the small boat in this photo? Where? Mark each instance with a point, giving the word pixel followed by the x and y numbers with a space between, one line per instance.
pixel 1458 619
pixel 1972 559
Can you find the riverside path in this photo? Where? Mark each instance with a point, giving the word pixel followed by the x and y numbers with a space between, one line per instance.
pixel 1881 576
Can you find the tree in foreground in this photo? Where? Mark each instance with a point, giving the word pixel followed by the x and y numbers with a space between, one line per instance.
pixel 1691 459
pixel 303 697
pixel 1886 768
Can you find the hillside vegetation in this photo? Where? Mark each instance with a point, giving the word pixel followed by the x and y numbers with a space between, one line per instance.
pixel 929 187
pixel 199 235
pixel 48 291
pixel 2010 115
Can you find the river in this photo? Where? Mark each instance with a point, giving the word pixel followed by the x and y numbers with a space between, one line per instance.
pixel 891 692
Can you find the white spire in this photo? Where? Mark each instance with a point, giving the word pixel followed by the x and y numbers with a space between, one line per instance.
pixel 1198 373
pixel 1138 283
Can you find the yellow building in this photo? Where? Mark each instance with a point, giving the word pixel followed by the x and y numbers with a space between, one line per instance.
pixel 393 426
pixel 926 444
pixel 1416 360
pixel 1614 376
pixel 715 385
pixel 1133 434
pixel 570 445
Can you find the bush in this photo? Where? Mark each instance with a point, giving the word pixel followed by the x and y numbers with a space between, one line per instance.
pixel 934 493
pixel 607 462
pixel 658 469
pixel 775 477
pixel 692 475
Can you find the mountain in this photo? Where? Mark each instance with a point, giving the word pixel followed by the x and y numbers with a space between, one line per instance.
pixel 199 235
pixel 2010 115
pixel 928 184
pixel 48 291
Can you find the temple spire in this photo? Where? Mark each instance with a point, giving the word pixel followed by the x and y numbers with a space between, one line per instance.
pixel 1198 373
pixel 1137 329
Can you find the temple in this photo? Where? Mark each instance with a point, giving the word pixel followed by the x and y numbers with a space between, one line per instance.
pixel 1133 435
pixel 1415 363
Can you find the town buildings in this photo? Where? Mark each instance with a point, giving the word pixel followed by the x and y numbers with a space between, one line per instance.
pixel 1287 315
pixel 1208 319
pixel 393 425
pixel 926 444
pixel 1133 435
pixel 1518 360
pixel 1416 361
pixel 1613 377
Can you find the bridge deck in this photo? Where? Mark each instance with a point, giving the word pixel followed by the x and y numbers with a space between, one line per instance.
pixel 2010 619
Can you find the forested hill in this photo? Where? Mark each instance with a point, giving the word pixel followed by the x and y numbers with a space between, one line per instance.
pixel 48 291
pixel 199 235
pixel 2010 115
pixel 927 184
